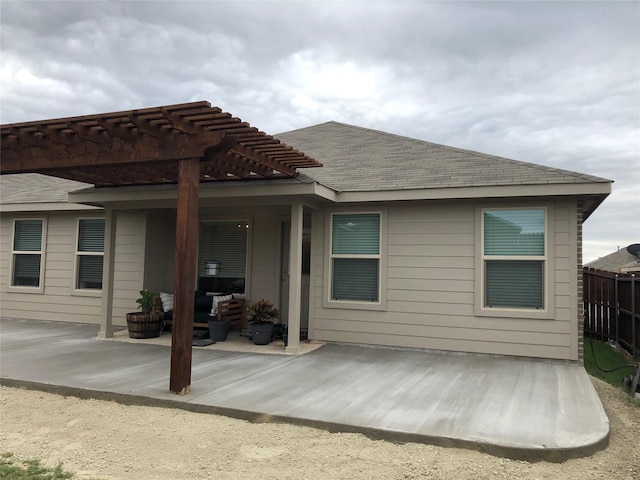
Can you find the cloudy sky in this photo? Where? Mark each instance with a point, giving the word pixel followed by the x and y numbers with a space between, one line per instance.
pixel 554 83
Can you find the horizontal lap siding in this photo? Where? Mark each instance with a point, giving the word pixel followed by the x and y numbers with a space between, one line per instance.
pixel 129 261
pixel 566 271
pixel 265 254
pixel 160 252
pixel 58 302
pixel 431 285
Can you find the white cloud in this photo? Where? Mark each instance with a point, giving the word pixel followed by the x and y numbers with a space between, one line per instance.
pixel 554 83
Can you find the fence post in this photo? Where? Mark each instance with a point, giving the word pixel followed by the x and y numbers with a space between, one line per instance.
pixel 633 315
pixel 617 311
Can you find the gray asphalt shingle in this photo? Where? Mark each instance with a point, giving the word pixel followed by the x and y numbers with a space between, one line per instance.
pixel 36 188
pixel 361 159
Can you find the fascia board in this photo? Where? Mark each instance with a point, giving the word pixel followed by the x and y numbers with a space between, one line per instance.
pixel 265 190
pixel 556 189
pixel 170 192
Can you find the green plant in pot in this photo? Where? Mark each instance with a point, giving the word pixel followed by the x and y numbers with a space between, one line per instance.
pixel 261 315
pixel 147 323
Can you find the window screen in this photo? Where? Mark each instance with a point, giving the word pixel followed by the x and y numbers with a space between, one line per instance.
pixel 514 258
pixel 27 253
pixel 225 243
pixel 355 250
pixel 90 253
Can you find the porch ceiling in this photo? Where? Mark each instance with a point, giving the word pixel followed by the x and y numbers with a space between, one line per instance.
pixel 143 147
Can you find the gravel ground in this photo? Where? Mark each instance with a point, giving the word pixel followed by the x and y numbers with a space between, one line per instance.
pixel 106 440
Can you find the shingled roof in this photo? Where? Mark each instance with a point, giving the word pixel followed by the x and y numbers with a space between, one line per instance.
pixel 624 259
pixel 34 188
pixel 362 164
pixel 359 159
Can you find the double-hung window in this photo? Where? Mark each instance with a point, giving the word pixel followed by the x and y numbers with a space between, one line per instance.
pixel 89 254
pixel 355 257
pixel 514 258
pixel 27 253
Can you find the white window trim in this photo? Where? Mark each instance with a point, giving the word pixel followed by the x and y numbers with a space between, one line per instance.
pixel 22 288
pixel 548 312
pixel 85 292
pixel 328 302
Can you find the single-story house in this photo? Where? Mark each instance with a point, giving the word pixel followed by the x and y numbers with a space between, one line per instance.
pixel 623 260
pixel 393 241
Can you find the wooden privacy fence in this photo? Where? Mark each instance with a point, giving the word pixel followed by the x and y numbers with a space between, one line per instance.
pixel 611 308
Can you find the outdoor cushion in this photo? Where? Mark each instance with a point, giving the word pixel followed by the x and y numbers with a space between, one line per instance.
pixel 203 303
pixel 216 299
pixel 167 301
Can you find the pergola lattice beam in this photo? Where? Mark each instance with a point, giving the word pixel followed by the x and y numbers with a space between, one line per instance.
pixel 144 146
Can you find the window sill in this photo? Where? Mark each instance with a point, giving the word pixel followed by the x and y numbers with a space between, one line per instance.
pixel 514 313
pixel 354 305
pixel 20 289
pixel 86 293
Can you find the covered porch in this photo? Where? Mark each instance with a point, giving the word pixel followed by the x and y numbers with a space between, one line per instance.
pixel 248 242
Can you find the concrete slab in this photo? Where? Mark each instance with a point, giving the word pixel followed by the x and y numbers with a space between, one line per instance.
pixel 234 343
pixel 522 409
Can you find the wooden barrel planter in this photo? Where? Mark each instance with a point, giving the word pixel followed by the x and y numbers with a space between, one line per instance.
pixel 144 325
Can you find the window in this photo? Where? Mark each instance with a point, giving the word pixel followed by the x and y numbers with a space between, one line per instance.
pixel 514 258
pixel 90 254
pixel 27 253
pixel 225 244
pixel 355 257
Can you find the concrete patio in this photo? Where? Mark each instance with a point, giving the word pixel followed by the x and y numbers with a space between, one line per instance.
pixel 517 408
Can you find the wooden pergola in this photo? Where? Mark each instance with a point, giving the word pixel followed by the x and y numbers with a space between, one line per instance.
pixel 183 144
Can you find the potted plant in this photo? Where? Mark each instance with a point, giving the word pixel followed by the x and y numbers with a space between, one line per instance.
pixel 147 323
pixel 261 315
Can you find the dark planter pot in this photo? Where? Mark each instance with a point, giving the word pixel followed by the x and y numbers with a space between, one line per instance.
pixel 261 332
pixel 218 330
pixel 144 325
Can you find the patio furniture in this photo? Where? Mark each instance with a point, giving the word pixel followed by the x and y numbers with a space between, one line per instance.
pixel 231 309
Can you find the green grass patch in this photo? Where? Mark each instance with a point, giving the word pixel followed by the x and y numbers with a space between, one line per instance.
pixel 13 469
pixel 607 359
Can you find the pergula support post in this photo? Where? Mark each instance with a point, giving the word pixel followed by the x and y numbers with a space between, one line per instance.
pixel 185 275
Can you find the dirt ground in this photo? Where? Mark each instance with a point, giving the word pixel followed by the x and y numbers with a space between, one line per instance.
pixel 106 440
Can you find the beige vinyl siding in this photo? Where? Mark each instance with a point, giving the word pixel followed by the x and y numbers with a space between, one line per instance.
pixel 129 265
pixel 160 251
pixel 567 241
pixel 431 289
pixel 265 253
pixel 57 302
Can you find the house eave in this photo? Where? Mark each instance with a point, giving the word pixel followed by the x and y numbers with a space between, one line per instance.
pixel 597 190
pixel 168 194
pixel 279 192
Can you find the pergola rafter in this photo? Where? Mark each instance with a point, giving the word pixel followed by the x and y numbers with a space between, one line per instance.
pixel 143 147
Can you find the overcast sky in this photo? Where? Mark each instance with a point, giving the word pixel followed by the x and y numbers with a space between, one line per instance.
pixel 554 83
